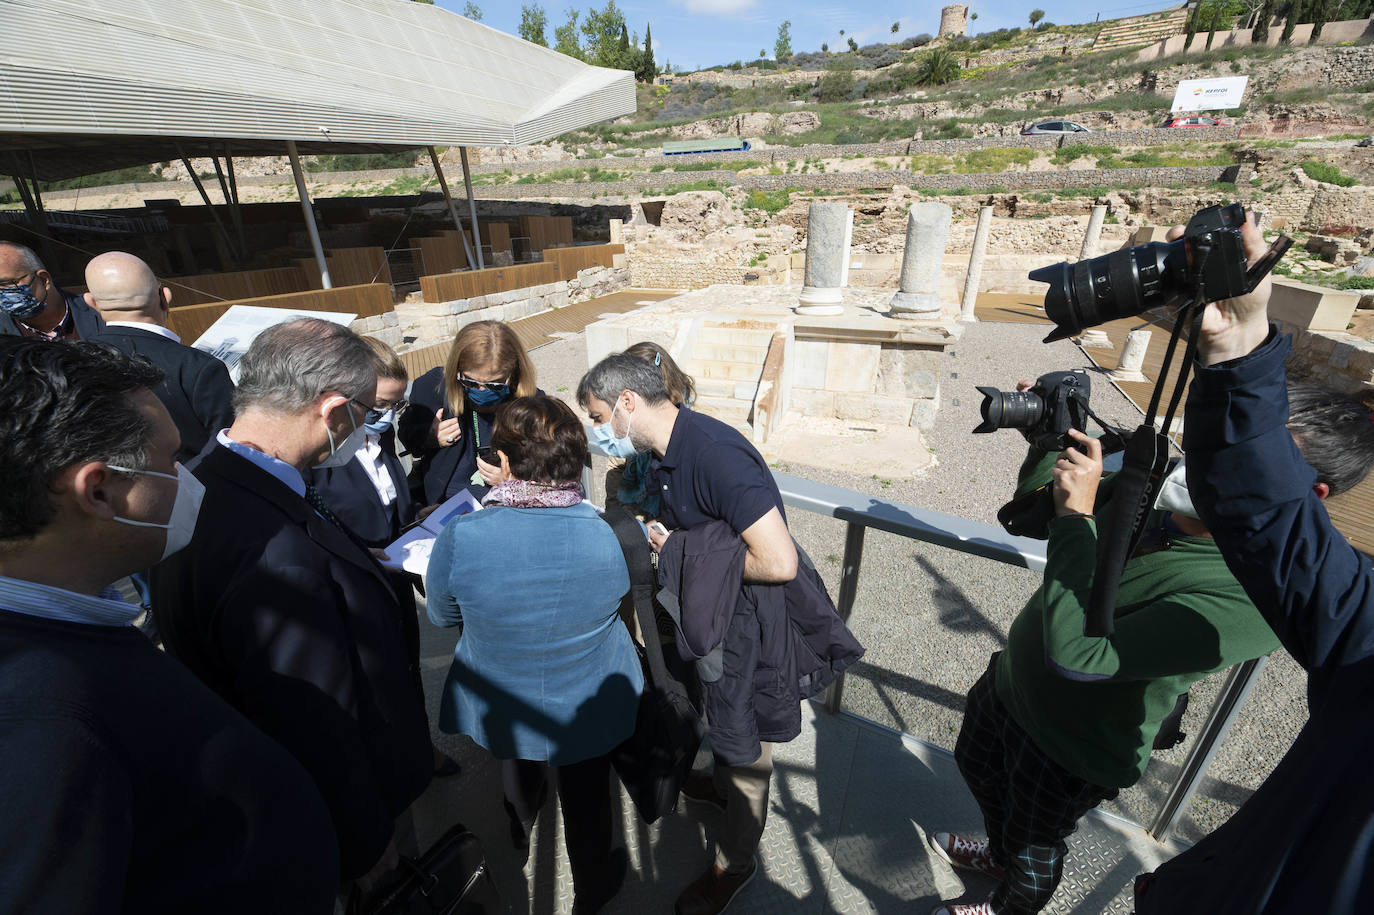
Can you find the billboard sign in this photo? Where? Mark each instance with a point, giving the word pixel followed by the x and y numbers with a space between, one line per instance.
pixel 1209 94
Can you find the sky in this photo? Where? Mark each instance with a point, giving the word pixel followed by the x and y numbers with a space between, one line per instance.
pixel 700 33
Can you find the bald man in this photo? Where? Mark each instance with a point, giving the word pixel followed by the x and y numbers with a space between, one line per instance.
pixel 196 390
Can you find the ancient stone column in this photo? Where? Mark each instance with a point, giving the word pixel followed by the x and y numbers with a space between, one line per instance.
pixel 1132 358
pixel 927 231
pixel 975 264
pixel 1094 232
pixel 617 231
pixel 829 228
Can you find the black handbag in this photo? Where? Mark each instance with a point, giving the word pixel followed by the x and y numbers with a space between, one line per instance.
pixel 451 878
pixel 655 760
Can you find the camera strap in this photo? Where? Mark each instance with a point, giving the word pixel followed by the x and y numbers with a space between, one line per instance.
pixel 1136 485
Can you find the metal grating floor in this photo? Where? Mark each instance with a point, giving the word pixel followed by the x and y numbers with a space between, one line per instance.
pixel 851 805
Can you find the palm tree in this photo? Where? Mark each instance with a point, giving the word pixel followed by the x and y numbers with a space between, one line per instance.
pixel 937 68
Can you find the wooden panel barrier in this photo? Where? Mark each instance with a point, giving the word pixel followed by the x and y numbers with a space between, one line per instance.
pixel 571 260
pixel 348 267
pixel 547 231
pixel 419 361
pixel 190 321
pixel 442 253
pixel 242 284
pixel 446 287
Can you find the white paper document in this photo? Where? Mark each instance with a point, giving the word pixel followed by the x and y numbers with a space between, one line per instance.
pixel 229 337
pixel 411 550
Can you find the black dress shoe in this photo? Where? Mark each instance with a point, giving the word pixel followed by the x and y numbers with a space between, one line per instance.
pixel 617 864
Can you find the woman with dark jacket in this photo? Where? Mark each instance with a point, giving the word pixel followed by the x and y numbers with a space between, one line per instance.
pixel 448 425
pixel 545 674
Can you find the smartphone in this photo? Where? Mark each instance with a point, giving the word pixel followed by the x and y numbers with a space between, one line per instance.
pixel 658 528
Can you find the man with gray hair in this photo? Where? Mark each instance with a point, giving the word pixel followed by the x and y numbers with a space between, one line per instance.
pixel 195 389
pixel 280 611
pixel 32 305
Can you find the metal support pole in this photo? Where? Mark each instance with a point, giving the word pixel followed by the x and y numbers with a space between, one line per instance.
pixel 210 207
pixel 1219 720
pixel 472 208
pixel 849 590
pixel 453 207
pixel 231 204
pixel 310 226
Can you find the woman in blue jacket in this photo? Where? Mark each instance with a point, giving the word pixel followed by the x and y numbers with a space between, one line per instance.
pixel 545 674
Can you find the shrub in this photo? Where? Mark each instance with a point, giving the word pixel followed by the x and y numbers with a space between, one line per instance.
pixel 1326 173
pixel 937 68
pixel 769 202
pixel 836 86
pixel 916 41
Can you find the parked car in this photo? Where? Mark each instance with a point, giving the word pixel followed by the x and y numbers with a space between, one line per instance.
pixel 1054 127
pixel 1367 141
pixel 1194 120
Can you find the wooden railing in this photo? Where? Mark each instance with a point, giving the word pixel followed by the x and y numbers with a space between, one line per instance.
pixel 190 321
pixel 348 267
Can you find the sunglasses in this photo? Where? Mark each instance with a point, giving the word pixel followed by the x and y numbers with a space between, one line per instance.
pixel 496 387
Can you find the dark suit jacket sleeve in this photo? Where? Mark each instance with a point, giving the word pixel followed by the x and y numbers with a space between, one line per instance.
pixel 212 397
pixel 426 396
pixel 1253 489
pixel 298 678
pixel 66 822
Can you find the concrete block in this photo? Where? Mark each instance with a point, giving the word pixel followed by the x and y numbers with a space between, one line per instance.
pixel 558 299
pixel 390 320
pixel 811 402
pixel 1312 307
pixel 604 338
pixel 809 362
pixel 852 367
pixel 744 390
pixel 923 414
pixel 874 408
pixel 618 261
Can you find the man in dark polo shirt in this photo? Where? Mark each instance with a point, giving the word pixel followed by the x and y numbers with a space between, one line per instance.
pixel 707 471
pixel 32 305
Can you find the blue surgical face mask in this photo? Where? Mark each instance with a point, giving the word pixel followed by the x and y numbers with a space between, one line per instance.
pixel 485 397
pixel 379 421
pixel 19 302
pixel 609 442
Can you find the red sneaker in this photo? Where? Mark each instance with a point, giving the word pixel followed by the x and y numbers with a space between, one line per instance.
pixel 968 854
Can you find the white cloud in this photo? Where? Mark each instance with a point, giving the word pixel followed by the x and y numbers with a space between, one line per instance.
pixel 717 7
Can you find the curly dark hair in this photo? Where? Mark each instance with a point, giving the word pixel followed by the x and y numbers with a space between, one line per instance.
pixel 542 438
pixel 63 404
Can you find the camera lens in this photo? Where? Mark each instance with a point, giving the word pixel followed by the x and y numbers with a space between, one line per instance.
pixel 1115 285
pixel 1010 409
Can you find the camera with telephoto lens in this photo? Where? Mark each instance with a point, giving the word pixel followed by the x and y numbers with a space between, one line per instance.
pixel 1208 259
pixel 1056 403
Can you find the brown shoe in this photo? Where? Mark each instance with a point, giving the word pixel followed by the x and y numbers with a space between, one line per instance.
pixel 714 890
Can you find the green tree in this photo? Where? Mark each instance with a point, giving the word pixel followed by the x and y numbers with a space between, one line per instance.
pixel 565 37
pixel 1212 29
pixel 647 68
pixel 782 48
pixel 937 67
pixel 853 45
pixel 825 48
pixel 1260 33
pixel 836 86
pixel 1192 25
pixel 1036 16
pixel 533 21
pixel 1290 21
pixel 472 11
pixel 601 30
pixel 896 27
pixel 1321 15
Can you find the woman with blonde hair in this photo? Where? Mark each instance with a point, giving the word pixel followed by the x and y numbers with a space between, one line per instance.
pixel 448 426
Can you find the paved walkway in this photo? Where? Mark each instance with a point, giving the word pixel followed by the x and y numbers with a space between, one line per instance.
pixel 850 809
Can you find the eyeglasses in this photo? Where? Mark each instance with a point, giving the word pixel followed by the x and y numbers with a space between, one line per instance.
pixel 377 411
pixel 19 280
pixel 496 387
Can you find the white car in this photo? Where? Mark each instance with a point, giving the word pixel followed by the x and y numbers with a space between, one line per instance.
pixel 1054 127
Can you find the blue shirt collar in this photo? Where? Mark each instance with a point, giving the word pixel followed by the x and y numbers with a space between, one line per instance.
pixel 283 471
pixel 33 599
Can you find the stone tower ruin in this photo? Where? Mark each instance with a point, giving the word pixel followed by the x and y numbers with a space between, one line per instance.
pixel 953 21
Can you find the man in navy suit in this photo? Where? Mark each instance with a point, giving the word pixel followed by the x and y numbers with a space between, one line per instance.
pixel 195 389
pixel 282 611
pixel 32 305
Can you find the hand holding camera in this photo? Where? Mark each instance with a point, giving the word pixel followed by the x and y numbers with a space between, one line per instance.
pixel 1076 476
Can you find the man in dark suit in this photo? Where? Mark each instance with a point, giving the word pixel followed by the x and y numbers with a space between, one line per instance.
pixel 32 305
pixel 281 611
pixel 195 388
pixel 127 785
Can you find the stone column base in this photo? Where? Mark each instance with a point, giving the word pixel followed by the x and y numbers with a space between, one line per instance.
pixel 915 305
pixel 820 301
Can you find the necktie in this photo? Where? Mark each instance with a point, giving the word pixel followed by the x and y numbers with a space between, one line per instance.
pixel 312 495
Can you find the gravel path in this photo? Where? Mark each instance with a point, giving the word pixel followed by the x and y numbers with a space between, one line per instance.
pixel 930 617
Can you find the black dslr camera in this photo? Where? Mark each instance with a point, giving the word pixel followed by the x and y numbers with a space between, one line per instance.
pixel 1056 403
pixel 1209 259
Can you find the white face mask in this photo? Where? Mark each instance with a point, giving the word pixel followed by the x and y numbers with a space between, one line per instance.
pixel 342 453
pixel 182 524
pixel 1173 493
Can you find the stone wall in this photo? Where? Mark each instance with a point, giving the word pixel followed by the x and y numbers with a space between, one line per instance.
pixel 385 327
pixel 1332 33
pixel 1332 359
pixel 846 181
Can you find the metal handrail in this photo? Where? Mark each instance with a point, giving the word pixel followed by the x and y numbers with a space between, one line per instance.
pixel 860 512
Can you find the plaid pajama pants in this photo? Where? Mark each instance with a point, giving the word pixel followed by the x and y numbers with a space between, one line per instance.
pixel 1030 804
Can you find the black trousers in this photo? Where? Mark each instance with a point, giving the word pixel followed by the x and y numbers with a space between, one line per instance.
pixel 584 794
pixel 1030 803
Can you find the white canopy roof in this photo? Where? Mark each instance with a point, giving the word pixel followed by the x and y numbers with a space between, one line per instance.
pixel 134 76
